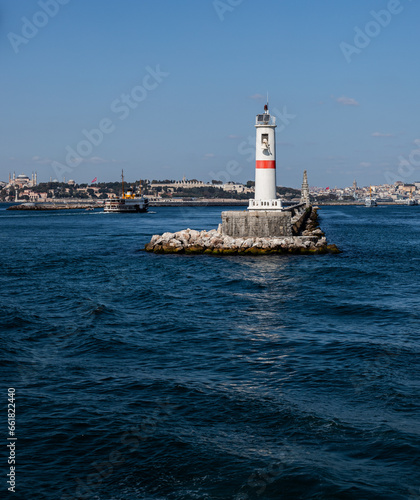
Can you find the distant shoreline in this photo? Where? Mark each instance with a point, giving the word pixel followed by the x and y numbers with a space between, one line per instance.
pixel 82 205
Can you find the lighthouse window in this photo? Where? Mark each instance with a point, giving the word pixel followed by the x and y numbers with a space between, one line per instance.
pixel 260 118
pixel 264 137
pixel 266 118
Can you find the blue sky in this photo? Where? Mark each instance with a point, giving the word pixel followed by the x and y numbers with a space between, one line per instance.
pixel 194 73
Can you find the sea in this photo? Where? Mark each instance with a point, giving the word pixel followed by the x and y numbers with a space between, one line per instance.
pixel 171 377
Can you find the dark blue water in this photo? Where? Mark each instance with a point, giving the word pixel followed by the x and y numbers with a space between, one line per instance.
pixel 156 377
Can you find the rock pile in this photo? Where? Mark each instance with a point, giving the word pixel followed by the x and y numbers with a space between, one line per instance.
pixel 311 241
pixel 190 241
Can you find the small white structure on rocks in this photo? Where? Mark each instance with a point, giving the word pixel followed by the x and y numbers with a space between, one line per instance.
pixel 265 164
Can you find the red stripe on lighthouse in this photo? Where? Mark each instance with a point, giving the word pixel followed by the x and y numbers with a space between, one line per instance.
pixel 265 164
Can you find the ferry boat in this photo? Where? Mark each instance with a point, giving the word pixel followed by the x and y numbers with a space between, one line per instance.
pixel 370 202
pixel 411 201
pixel 127 203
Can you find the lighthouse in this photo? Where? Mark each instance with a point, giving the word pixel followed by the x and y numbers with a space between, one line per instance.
pixel 265 164
pixel 266 216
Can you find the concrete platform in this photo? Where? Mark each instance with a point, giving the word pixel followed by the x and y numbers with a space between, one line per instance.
pixel 256 224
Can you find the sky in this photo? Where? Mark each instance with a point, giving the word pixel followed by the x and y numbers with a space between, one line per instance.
pixel 165 89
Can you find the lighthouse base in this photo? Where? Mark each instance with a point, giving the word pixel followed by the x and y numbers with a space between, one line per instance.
pixel 257 224
pixel 275 204
pixel 307 239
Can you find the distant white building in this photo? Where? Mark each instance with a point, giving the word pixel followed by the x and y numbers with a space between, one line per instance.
pixel 232 187
pixel 184 183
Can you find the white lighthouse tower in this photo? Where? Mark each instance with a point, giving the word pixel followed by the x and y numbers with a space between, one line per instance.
pixel 265 164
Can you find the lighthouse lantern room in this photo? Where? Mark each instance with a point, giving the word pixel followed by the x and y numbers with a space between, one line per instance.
pixel 265 164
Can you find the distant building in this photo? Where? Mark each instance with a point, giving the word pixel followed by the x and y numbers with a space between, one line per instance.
pixel 191 184
pixel 233 187
pixel 22 180
pixel 406 188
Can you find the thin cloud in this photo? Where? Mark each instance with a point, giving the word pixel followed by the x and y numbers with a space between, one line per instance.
pixel 347 101
pixel 41 161
pixel 256 97
pixel 209 155
pixel 365 164
pixel 96 159
pixel 334 158
pixel 233 136
pixel 381 134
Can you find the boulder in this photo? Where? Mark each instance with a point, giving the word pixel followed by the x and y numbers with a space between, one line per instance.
pixel 249 242
pixel 228 241
pixel 183 236
pixel 321 242
pixel 175 243
pixel 154 239
pixel 216 241
pixel 313 239
pixel 194 234
pixel 166 237
pixel 274 243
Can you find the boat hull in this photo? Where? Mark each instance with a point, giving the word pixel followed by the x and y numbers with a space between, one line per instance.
pixel 370 202
pixel 127 206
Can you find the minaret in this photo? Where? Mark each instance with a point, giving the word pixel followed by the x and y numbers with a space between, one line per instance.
pixel 36 178
pixel 265 164
pixel 304 197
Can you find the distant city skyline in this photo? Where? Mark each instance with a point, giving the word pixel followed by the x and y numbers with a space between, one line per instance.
pixel 166 89
pixel 26 180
